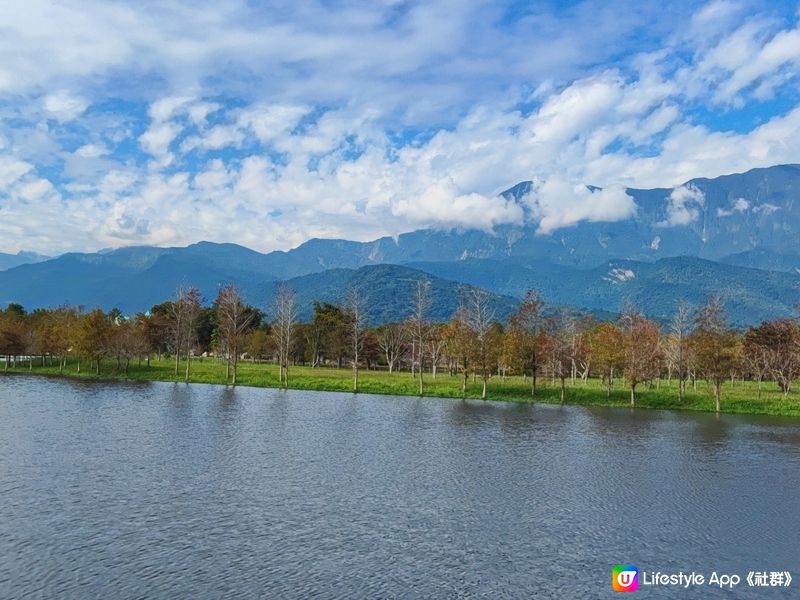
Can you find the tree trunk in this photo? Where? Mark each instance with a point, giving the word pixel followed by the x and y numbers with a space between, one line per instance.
pixel 633 395
pixel 483 394
pixel 717 386
pixel 563 389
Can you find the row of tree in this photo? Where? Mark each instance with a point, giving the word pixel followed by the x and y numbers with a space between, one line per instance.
pixel 535 342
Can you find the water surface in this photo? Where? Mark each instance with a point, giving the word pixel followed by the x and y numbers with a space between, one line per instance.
pixel 112 490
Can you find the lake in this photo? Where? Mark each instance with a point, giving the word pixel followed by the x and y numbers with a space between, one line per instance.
pixel 114 490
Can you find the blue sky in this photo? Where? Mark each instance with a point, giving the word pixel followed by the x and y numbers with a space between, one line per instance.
pixel 267 124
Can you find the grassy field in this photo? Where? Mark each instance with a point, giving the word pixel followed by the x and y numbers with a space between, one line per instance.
pixel 740 397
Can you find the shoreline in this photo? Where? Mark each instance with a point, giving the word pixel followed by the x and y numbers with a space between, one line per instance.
pixel 513 389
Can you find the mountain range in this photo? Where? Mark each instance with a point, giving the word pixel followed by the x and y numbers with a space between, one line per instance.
pixel 735 235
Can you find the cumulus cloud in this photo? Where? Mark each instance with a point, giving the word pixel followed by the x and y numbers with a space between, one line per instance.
pixel 556 203
pixel 64 106
pixel 684 205
pixel 268 129
pixel 442 205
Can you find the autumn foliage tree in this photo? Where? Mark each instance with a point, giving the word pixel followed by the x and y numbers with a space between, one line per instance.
pixel 608 351
pixel 716 345
pixel 643 353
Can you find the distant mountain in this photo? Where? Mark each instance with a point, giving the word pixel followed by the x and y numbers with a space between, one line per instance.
pixel 389 292
pixel 744 215
pixel 735 235
pixel 751 295
pixel 9 261
pixel 135 278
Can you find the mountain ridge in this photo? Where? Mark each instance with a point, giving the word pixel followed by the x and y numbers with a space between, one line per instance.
pixel 729 226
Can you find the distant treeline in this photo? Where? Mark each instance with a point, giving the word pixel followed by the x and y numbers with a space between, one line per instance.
pixel 534 343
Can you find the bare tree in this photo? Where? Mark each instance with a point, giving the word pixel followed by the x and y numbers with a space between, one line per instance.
pixel 183 312
pixel 391 338
pixel 284 310
pixel 418 325
pixel 559 348
pixel 677 346
pixel 479 317
pixel 436 344
pixel 190 301
pixel 355 305
pixel 234 319
pixel 774 346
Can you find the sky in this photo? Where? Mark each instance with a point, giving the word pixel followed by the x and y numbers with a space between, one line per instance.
pixel 270 123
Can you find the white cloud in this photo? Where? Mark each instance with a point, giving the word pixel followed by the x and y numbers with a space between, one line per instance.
pixel 157 139
pixel 442 205
pixel 684 205
pixel 64 106
pixel 216 138
pixel 92 151
pixel 323 137
pixel 739 205
pixel 556 203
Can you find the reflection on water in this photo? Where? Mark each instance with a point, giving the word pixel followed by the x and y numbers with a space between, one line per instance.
pixel 172 490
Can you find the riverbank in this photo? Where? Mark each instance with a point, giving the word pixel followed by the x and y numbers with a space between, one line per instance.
pixel 739 397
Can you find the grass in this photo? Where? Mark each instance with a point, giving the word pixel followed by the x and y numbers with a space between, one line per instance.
pixel 740 397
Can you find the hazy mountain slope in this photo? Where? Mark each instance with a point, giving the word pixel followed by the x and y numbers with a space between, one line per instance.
pixel 743 220
pixel 9 261
pixel 751 295
pixel 389 292
pixel 759 209
pixel 133 279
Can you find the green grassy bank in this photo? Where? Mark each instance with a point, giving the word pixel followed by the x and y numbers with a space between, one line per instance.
pixel 739 397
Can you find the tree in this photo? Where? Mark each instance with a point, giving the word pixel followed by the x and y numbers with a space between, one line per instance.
pixel 558 345
pixel 93 339
pixel 284 310
pixel 434 348
pixel 458 344
pixel 355 305
pixel 391 338
pixel 776 346
pixel 678 347
pixel 479 317
pixel 234 320
pixel 642 343
pixel 716 345
pixel 259 343
pixel 189 305
pixel 756 353
pixel 11 333
pixel 329 333
pixel 608 350
pixel 528 325
pixel 418 325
